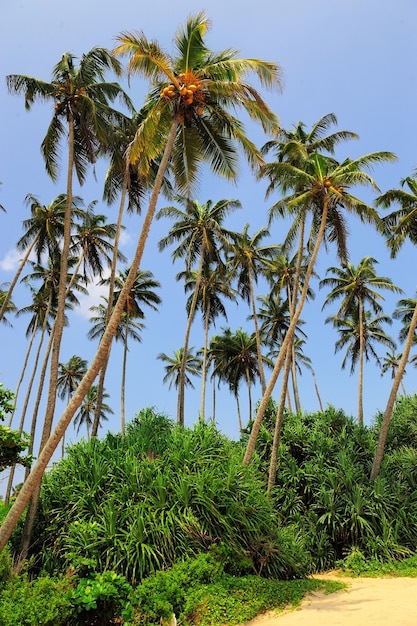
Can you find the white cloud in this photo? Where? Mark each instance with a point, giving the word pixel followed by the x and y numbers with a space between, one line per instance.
pixel 11 260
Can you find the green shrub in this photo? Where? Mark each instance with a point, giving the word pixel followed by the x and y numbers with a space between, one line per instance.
pixel 41 602
pixel 138 503
pixel 99 598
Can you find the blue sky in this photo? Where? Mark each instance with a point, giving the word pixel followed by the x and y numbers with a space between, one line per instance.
pixel 354 58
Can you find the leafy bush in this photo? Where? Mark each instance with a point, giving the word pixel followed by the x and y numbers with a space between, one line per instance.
pixel 41 602
pixel 199 592
pixel 99 598
pixel 160 494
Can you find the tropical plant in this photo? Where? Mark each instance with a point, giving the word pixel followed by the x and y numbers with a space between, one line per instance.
pixel 214 284
pixel 69 377
pixel 400 225
pixel 247 260
pixel 205 125
pixel 322 187
pixel 82 115
pixel 202 237
pixel 356 287
pixel 193 365
pixel 86 412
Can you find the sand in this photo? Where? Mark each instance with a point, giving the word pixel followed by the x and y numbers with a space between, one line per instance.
pixel 366 602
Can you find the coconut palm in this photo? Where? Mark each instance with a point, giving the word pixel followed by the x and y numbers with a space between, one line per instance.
pixel 202 238
pixel 236 360
pixel 247 260
pixel 140 294
pixel 322 186
pixel 400 225
pixel 390 363
pixel 91 243
pixel 69 377
pixel 214 284
pixel 87 410
pixel 8 305
pixel 193 365
pixel 357 287
pixel 43 232
pixel 296 145
pixel 349 330
pixel 82 116
pixel 197 126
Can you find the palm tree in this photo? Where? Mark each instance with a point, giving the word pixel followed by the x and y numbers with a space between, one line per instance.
pixel 358 334
pixel 200 128
pixel 141 293
pixel 390 363
pixel 202 237
pixel 357 287
pixel 87 410
pixel 400 224
pixel 91 243
pixel 214 283
pixel 247 260
pixel 193 365
pixel 69 377
pixel 6 304
pixel 295 146
pixel 235 359
pixel 43 232
pixel 322 187
pixel 82 115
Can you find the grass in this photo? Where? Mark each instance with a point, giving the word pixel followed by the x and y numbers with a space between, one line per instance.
pixel 357 565
pixel 243 599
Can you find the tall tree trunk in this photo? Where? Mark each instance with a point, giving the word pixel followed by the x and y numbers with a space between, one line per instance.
pixel 376 467
pixel 294 380
pixel 248 382
pixel 181 384
pixel 360 378
pixel 102 376
pixel 123 386
pixel 34 480
pixel 204 371
pixel 257 335
pixel 22 419
pixel 317 389
pixel 278 423
pixel 288 339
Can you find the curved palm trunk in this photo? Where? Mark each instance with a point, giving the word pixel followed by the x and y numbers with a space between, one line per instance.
pixel 360 378
pixel 249 393
pixel 278 423
pixel 57 337
pixel 294 380
pixel 181 384
pixel 376 467
pixel 33 482
pixel 204 370
pixel 123 386
pixel 16 278
pixel 23 414
pixel 257 335
pixel 288 339
pixel 317 389
pixel 21 424
pixel 100 384
pixel 239 415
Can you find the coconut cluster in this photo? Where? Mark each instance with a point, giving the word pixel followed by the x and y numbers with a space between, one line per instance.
pixel 188 89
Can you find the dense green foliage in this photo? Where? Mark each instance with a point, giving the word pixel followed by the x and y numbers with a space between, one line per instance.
pixel 12 442
pixel 167 520
pixel 138 503
pixel 323 486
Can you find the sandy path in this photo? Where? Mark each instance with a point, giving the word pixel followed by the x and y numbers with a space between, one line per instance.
pixel 367 602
